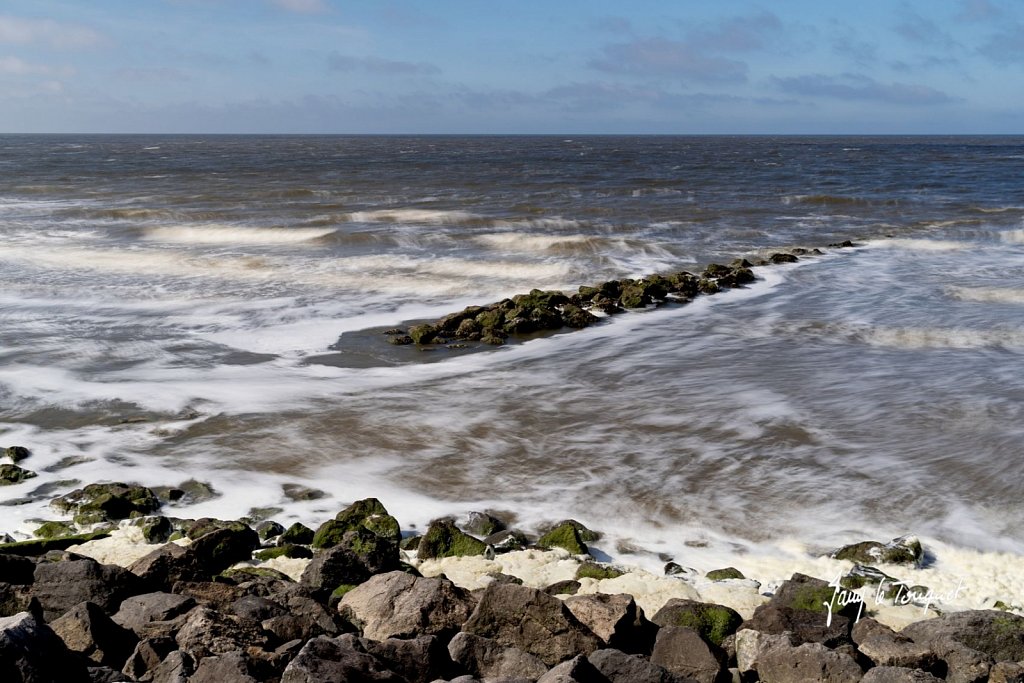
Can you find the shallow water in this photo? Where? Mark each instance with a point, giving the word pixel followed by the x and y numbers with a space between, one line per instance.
pixel 168 303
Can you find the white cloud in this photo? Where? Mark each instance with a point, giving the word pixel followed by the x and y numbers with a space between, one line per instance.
pixel 15 66
pixel 302 6
pixel 21 31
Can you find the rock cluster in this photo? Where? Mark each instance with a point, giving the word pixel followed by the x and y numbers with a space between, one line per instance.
pixel 548 311
pixel 205 609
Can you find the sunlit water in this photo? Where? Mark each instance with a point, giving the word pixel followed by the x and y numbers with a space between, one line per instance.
pixel 170 303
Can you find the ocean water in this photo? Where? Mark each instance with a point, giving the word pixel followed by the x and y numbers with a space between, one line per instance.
pixel 172 308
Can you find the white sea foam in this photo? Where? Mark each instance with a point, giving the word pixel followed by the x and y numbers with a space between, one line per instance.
pixel 938 338
pixel 228 234
pixel 993 295
pixel 412 216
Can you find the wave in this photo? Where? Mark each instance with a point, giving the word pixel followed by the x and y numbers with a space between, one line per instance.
pixel 1012 236
pixel 225 234
pixel 991 295
pixel 413 216
pixel 998 209
pixel 910 244
pixel 939 338
pixel 824 200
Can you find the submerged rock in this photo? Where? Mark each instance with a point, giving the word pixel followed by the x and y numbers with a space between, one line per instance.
pixel 566 535
pixel 12 474
pixel 444 539
pixel 16 453
pixel 107 502
pixel 902 550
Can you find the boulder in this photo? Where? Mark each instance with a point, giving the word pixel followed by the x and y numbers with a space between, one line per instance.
pixel 724 574
pixel 1007 672
pixel 219 549
pixel 399 605
pixel 30 652
pixel 531 620
pixel 998 634
pixel 482 524
pixel 60 585
pixel 487 659
pixel 897 674
pixel 616 620
pixel 712 622
pixel 566 535
pixel 15 599
pixel 137 611
pixel 12 474
pixel 367 514
pixel 16 453
pixel 147 655
pixel 576 670
pixel 507 541
pixel 684 652
pixel 444 539
pixel 88 630
pixel 807 662
pixel 326 659
pixel 16 569
pixel 205 632
pixel 897 651
pixel 167 565
pixel 268 529
pixel 618 667
pixel 593 570
pixel 905 550
pixel 298 534
pixel 805 625
pixel 867 628
pixel 177 667
pixel 750 645
pixel 231 667
pixel 359 555
pixel 107 502
pixel 37 547
pixel 417 660
pixel 567 587
pixel 575 317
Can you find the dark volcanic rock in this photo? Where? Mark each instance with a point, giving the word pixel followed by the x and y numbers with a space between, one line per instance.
pixel 16 453
pixel 167 565
pixel 487 658
pixel 231 667
pixel 205 632
pixel 325 659
pixel 903 550
pixel 15 569
pixel 12 474
pixel 219 549
pixel 88 630
pixel 137 611
pixel 616 620
pixel 444 539
pixel 297 533
pixel 106 502
pixel 713 622
pixel 999 635
pixel 60 585
pixel 417 660
pixel 531 620
pixel 567 536
pixel 683 652
pixel 619 667
pixel 359 555
pixel 30 652
pixel 807 662
pixel 399 605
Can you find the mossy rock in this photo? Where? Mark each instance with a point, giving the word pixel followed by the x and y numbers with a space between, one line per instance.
pixel 716 270
pixel 269 529
pixel 566 536
pixel 410 543
pixel 297 533
pixel 300 493
pixel 287 550
pixel 713 622
pixel 576 318
pixel 634 296
pixel 107 502
pixel 725 574
pixel 781 257
pixel 243 574
pixel 586 535
pixel 567 587
pixel 198 528
pixel 507 541
pixel 55 529
pixel 337 594
pixel 368 513
pixel 423 334
pixel 156 529
pixel 257 515
pixel 12 474
pixel 592 570
pixel 705 286
pixel 16 453
pixel 43 546
pixel 904 550
pixel 444 539
pixel 482 524
pixel 802 592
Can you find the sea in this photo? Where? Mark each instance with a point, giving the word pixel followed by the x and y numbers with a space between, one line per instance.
pixel 209 308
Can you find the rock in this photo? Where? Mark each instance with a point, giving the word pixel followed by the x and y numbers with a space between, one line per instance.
pixel 60 585
pixel 15 599
pixel 54 529
pixel 30 652
pixel 904 550
pixel 576 670
pixel 417 660
pixel 168 564
pixel 205 632
pixel 444 539
pixel 618 667
pixel 593 570
pixel 359 555
pixel 962 664
pixel 298 534
pixel 43 546
pixel 780 257
pixel 187 492
pixel 104 674
pixel 568 587
pixel 1007 672
pixel 897 651
pixel 507 541
pixel 88 630
pixel 16 453
pixel 422 334
pixel 107 502
pixel 805 625
pixel 486 658
pixel 725 574
pixel 684 652
pixel 807 662
pixel 566 536
pixel 285 550
pixel 219 549
pixel 369 514
pixel 137 611
pixel 577 318
pixel 616 620
pixel 531 620
pixel 147 655
pixel 750 645
pixel 398 605
pixel 897 674
pixel 268 529
pixel 999 635
pixel 482 524
pixel 299 493
pixel 231 667
pixel 155 529
pixel 16 569
pixel 12 474
pixel 867 628
pixel 712 622
pixel 177 667
pixel 325 659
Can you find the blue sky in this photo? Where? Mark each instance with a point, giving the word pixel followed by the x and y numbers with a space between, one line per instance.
pixel 462 66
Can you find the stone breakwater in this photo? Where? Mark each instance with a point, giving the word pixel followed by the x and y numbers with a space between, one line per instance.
pixel 118 592
pixel 540 312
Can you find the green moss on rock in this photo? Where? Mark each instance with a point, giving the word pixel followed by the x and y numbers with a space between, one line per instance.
pixel 107 502
pixel 12 474
pixel 287 550
pixel 566 536
pixel 16 453
pixel 713 622
pixel 444 539
pixel 43 546
pixel 55 529
pixel 592 570
pixel 297 533
pixel 725 574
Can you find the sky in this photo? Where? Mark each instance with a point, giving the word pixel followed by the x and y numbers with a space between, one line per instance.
pixel 529 66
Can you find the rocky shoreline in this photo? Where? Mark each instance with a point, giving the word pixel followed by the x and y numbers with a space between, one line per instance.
pixel 118 592
pixel 545 312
